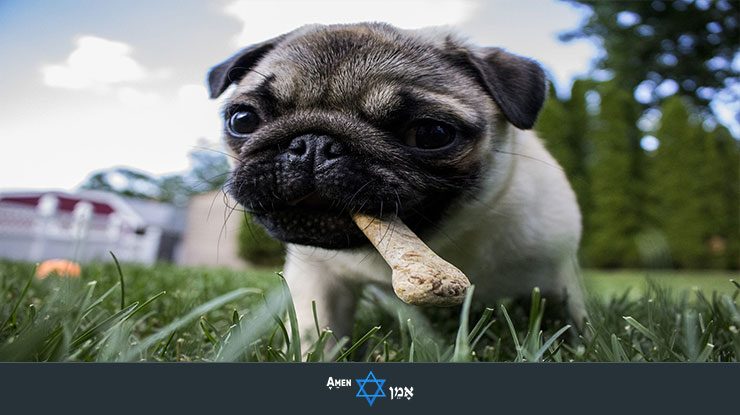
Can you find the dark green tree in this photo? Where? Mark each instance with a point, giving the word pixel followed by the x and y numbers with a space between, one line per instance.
pixel 690 42
pixel 725 239
pixel 691 196
pixel 565 127
pixel 124 181
pixel 679 205
pixel 616 183
pixel 174 188
pixel 554 127
pixel 209 171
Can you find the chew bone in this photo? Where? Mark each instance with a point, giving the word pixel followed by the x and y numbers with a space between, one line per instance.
pixel 420 277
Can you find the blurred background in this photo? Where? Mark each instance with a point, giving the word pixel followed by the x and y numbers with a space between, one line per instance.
pixel 110 143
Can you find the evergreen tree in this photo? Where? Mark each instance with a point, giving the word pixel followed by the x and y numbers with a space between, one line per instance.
pixel 688 189
pixel 679 205
pixel 554 126
pixel 564 125
pixel 579 143
pixel 616 183
pixel 728 170
pixel 716 210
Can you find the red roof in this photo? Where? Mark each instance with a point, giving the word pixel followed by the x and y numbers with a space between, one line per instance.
pixel 66 203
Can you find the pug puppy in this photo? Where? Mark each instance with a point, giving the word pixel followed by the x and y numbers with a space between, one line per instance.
pixel 412 124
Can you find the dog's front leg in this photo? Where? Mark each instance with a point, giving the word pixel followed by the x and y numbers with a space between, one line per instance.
pixel 310 281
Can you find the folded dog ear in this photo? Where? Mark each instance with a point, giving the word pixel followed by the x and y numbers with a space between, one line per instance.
pixel 236 67
pixel 515 83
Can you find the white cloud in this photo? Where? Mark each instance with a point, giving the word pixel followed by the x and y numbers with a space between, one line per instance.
pixel 96 63
pixel 264 19
pixel 200 115
pixel 132 97
pixel 150 127
pixel 140 129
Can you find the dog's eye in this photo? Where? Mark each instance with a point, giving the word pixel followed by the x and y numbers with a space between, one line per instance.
pixel 243 122
pixel 429 135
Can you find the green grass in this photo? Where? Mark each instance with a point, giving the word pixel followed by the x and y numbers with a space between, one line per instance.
pixel 168 313
pixel 609 283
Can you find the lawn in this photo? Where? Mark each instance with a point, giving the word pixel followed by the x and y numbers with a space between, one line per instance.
pixel 605 284
pixel 169 313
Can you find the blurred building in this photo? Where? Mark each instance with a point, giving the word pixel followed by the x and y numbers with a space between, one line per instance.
pixel 86 225
pixel 212 231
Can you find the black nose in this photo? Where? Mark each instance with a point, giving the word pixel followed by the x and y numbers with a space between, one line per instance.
pixel 320 150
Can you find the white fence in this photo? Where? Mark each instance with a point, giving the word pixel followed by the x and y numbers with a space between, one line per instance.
pixel 36 234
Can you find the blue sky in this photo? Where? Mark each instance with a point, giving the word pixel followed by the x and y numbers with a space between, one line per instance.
pixel 89 85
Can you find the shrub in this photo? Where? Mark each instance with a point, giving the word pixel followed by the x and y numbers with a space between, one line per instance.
pixel 257 247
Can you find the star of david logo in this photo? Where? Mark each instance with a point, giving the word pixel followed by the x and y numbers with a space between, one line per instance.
pixel 362 393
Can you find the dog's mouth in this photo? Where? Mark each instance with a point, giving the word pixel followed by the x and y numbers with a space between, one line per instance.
pixel 311 200
pixel 314 220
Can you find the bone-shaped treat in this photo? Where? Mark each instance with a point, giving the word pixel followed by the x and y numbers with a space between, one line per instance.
pixel 420 277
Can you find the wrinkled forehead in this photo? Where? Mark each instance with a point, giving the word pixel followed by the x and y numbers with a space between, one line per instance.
pixel 356 66
pixel 345 56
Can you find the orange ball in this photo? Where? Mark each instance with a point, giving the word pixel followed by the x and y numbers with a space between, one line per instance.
pixel 61 267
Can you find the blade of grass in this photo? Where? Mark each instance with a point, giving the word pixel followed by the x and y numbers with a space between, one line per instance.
pixel 27 349
pixel 206 327
pixel 105 324
pixel 512 330
pixel 404 331
pixel 120 276
pixel 281 326
pixel 337 348
pixel 11 320
pixel 618 350
pixel 51 343
pixel 187 318
pixel 369 354
pixel 550 341
pixel 732 309
pixel 317 354
pixel 358 343
pixel 83 304
pixel 414 339
pixel 294 350
pixel 145 303
pixel 462 342
pixel 481 324
pixel 100 299
pixel 258 323
pixel 315 317
pixel 257 354
pixel 167 343
pixel 704 355
pixel 642 329
pixel 481 334
pixel 690 332
pixel 534 310
pixel 113 320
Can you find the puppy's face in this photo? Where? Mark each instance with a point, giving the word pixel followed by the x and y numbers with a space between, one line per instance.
pixel 365 118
